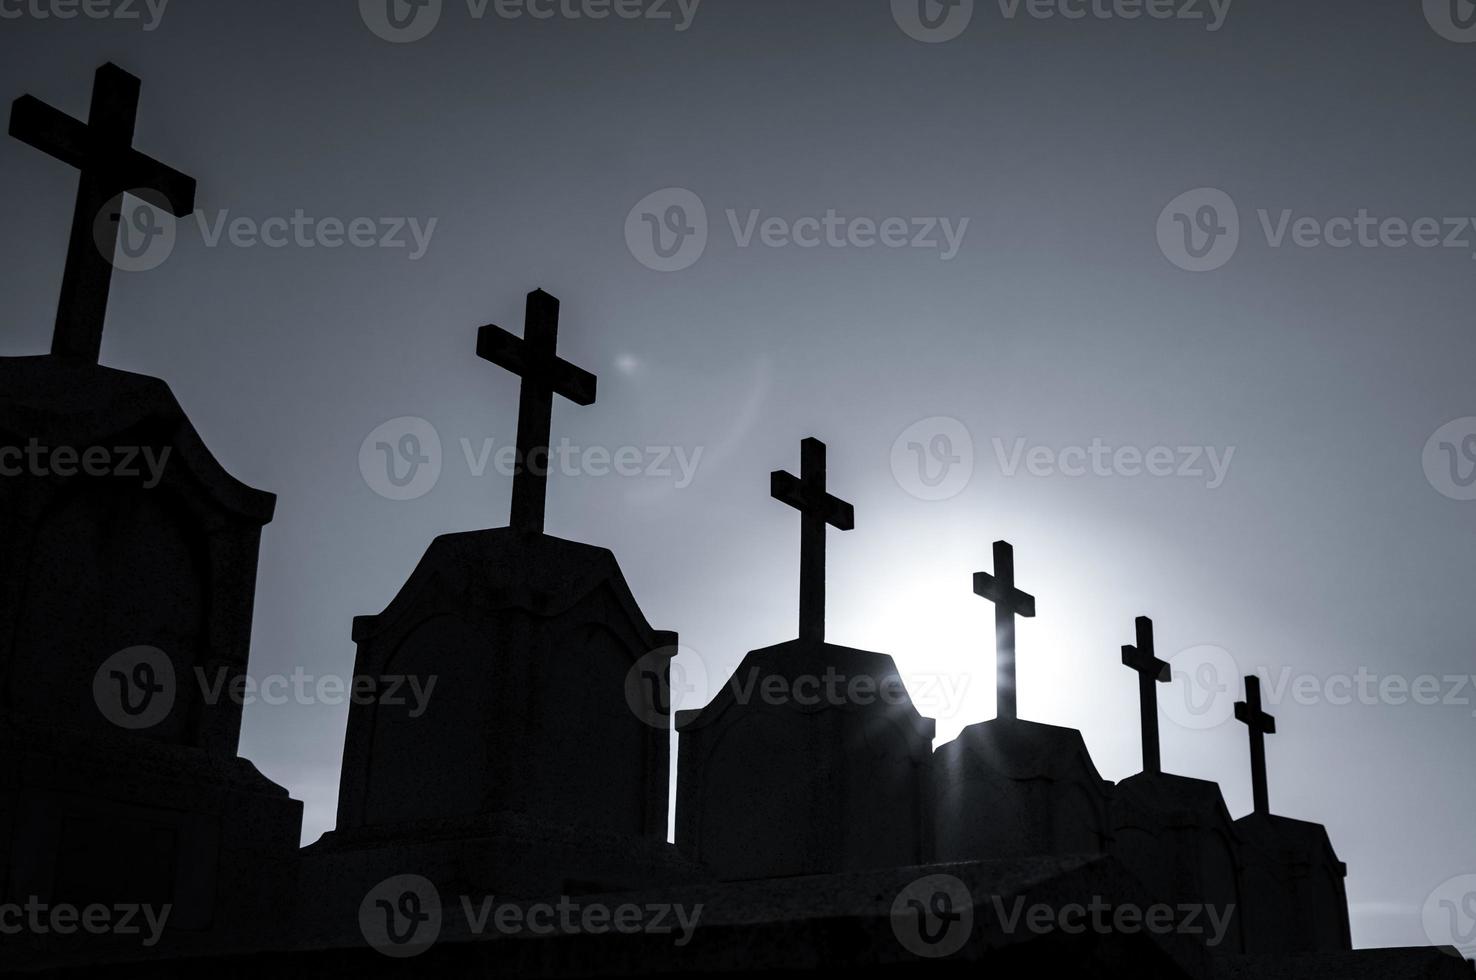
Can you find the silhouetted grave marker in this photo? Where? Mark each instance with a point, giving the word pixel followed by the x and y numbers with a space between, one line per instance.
pixel 102 149
pixel 812 758
pixel 1036 783
pixel 1151 672
pixel 1009 602
pixel 127 582
pixel 1295 898
pixel 522 768
pixel 533 358
pixel 1171 831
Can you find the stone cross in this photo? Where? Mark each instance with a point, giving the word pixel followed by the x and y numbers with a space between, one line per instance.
pixel 102 149
pixel 1009 602
pixel 533 357
pixel 1260 725
pixel 1151 671
pixel 807 494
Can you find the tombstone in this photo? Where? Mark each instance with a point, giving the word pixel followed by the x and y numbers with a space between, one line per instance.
pixel 1171 831
pixel 1295 900
pixel 536 761
pixel 812 759
pixel 129 576
pixel 1009 788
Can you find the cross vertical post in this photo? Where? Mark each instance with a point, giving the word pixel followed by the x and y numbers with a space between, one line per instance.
pixel 534 358
pixel 102 149
pixel 1151 671
pixel 817 508
pixel 1260 725
pixel 1009 602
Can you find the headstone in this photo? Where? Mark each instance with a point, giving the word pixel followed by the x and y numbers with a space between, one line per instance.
pixel 534 760
pixel 812 759
pixel 1172 831
pixel 1295 899
pixel 1009 788
pixel 1176 836
pixel 129 575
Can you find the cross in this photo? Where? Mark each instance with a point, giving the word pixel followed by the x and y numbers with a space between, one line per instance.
pixel 544 374
pixel 1260 724
pixel 1009 602
pixel 102 149
pixel 817 508
pixel 1151 671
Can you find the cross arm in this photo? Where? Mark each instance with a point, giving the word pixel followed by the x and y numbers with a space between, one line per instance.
pixel 510 352
pixel 1023 603
pixel 53 132
pixel 49 130
pixel 790 489
pixel 1158 669
pixel 839 514
pixel 1255 718
pixel 164 187
pixel 786 488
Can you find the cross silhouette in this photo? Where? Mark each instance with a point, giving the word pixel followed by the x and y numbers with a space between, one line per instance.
pixel 1260 724
pixel 102 149
pixel 1009 602
pixel 817 508
pixel 1151 671
pixel 533 357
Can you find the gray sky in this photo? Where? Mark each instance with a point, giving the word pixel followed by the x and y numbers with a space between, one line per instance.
pixel 1327 551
